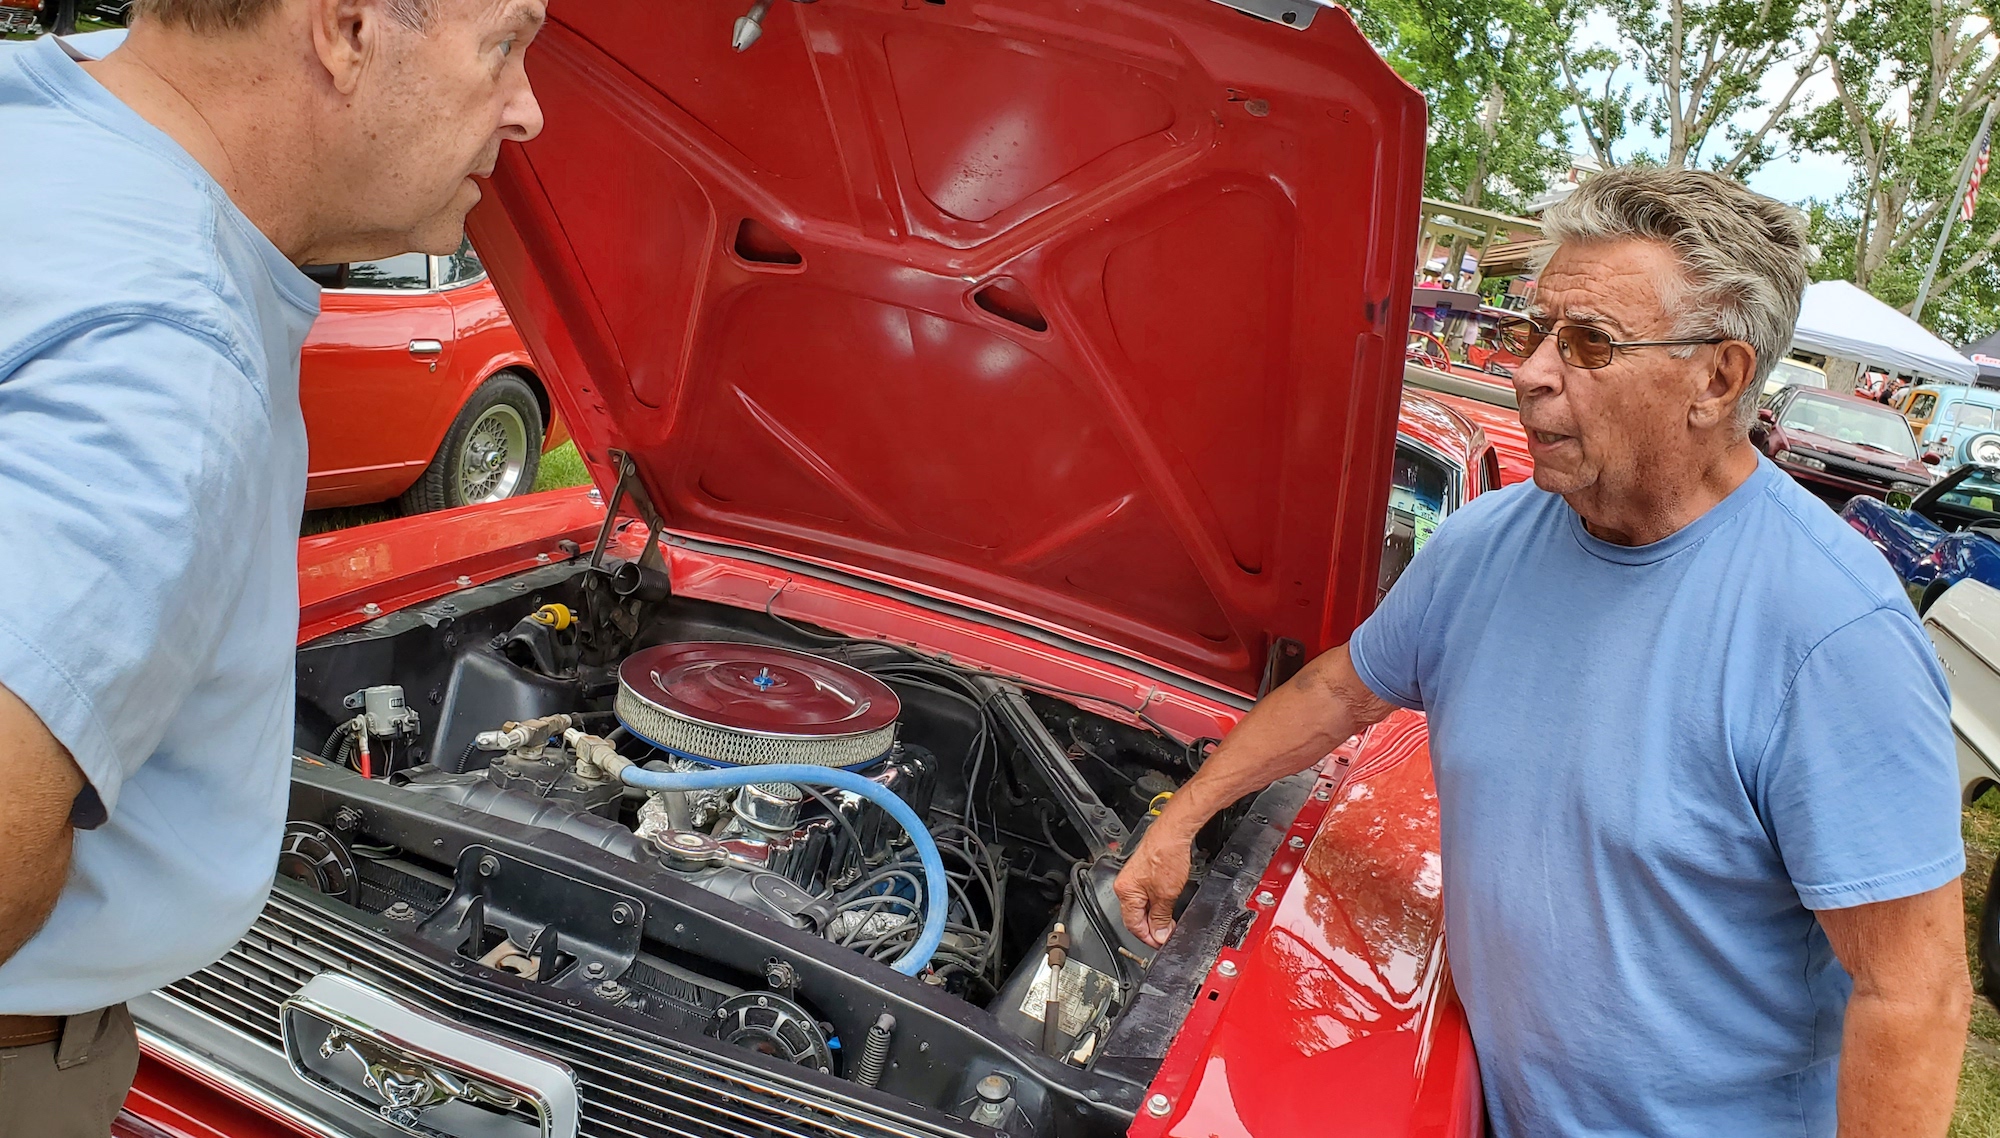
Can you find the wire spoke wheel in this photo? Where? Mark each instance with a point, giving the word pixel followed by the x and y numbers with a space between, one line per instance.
pixel 494 455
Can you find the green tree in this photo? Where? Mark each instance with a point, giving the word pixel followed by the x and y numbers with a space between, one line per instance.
pixel 1700 67
pixel 1911 80
pixel 1496 124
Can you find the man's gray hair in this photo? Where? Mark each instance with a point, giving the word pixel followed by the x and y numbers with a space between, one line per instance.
pixel 1743 256
pixel 234 15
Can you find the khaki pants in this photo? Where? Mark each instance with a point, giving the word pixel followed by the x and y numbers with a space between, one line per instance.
pixel 74 1086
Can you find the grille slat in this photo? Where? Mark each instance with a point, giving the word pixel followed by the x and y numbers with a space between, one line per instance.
pixel 631 1087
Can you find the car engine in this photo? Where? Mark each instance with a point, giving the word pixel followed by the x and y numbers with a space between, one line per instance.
pixel 706 823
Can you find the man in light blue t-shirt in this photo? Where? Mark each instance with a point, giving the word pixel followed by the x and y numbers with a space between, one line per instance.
pixel 1693 754
pixel 153 461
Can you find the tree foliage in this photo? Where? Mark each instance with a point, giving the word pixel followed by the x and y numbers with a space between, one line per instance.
pixel 1701 68
pixel 1912 79
pixel 1496 122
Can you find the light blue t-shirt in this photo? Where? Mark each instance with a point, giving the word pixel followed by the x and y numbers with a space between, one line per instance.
pixel 152 472
pixel 1652 764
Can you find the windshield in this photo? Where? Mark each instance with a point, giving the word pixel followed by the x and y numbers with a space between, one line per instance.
pixel 1974 418
pixel 1788 372
pixel 1419 498
pixel 1859 423
pixel 1980 491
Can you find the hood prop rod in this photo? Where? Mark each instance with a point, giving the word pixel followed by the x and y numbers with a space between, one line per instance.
pixel 646 577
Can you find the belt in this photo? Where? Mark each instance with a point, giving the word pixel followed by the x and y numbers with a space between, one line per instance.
pixel 27 1031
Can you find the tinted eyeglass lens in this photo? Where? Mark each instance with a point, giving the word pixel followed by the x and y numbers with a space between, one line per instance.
pixel 1583 347
pixel 1520 337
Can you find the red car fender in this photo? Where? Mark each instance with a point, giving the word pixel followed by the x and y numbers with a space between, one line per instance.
pixel 1338 1015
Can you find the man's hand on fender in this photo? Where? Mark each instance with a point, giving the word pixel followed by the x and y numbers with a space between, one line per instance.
pixel 1149 884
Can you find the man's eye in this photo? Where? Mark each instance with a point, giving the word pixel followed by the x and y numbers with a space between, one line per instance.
pixel 507 46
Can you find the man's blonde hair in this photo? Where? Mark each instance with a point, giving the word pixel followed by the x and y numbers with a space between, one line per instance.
pixel 231 15
pixel 1743 256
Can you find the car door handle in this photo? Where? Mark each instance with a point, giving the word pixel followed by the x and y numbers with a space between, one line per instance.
pixel 426 347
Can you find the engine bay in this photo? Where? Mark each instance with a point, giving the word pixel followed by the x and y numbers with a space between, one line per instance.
pixel 704 821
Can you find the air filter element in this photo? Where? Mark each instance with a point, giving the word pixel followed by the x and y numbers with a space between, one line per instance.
pixel 747 705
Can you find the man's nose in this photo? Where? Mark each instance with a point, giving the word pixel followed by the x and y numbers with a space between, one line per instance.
pixel 1540 373
pixel 523 119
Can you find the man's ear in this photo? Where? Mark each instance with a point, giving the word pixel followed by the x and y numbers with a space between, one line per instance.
pixel 1734 370
pixel 345 35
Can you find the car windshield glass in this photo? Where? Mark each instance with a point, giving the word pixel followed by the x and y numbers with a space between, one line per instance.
pixel 1788 372
pixel 405 270
pixel 1979 491
pixel 461 266
pixel 1419 498
pixel 1851 422
pixel 1975 418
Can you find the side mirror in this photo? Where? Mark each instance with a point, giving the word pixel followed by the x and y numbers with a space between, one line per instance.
pixel 1764 415
pixel 1930 458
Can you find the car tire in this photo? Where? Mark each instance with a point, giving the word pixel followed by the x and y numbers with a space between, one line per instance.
pixel 1931 593
pixel 492 450
pixel 1989 940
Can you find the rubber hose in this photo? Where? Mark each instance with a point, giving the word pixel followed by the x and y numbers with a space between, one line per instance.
pixel 920 953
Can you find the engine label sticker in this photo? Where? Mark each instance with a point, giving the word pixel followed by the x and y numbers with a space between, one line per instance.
pixel 1081 996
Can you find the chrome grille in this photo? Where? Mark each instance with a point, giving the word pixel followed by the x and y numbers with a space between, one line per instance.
pixel 632 1088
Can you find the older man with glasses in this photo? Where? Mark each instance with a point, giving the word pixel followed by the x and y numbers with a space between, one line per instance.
pixel 1693 753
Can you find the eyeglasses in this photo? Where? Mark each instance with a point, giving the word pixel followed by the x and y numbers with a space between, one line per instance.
pixel 1580 345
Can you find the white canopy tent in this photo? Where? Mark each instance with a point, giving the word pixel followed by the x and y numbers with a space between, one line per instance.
pixel 1840 321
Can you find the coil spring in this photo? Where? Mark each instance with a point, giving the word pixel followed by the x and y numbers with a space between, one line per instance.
pixel 875 1052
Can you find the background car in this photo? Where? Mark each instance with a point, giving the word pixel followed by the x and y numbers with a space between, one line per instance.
pixel 1838 446
pixel 1964 627
pixel 1958 424
pixel 1947 534
pixel 1443 460
pixel 1487 402
pixel 416 386
pixel 1793 373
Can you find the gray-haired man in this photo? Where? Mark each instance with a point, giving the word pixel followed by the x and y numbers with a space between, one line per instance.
pixel 1693 755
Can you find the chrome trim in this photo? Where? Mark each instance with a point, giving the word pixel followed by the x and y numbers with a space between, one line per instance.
pixel 415 1060
pixel 426 347
pixel 227 1081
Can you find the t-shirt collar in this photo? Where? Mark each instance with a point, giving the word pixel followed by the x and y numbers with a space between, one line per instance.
pixel 1685 537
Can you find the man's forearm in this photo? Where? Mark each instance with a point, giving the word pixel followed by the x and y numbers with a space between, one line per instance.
pixel 1289 730
pixel 1899 1064
pixel 41 782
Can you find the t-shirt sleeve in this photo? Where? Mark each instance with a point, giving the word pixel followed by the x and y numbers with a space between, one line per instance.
pixel 1859 782
pixel 1387 650
pixel 126 452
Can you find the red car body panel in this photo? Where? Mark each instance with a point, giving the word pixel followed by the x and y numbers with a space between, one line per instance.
pixel 1340 1017
pixel 1055 308
pixel 1502 427
pixel 376 414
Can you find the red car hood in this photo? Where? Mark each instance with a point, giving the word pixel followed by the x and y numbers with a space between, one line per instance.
pixel 1088 314
pixel 1827 444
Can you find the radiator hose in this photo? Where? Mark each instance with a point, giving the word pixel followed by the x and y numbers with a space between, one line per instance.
pixel 935 902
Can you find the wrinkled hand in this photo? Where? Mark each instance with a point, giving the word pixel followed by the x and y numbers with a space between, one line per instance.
pixel 1149 884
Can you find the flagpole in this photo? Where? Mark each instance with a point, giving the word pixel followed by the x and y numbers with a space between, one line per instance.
pixel 1979 142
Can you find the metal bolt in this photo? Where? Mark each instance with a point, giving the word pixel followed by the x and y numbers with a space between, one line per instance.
pixel 463 581
pixel 346 818
pixel 621 913
pixel 1323 793
pixel 1226 968
pixel 993 1088
pixel 1296 842
pixel 400 911
pixel 371 608
pixel 594 968
pixel 1159 1105
pixel 1265 898
pixel 612 990
pixel 489 865
pixel 541 559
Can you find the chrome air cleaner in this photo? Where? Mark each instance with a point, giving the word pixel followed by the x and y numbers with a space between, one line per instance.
pixel 749 705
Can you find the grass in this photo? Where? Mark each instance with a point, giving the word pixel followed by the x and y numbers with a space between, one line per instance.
pixel 1978 1114
pixel 562 467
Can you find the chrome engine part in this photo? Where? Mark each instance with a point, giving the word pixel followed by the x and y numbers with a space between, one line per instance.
pixel 729 704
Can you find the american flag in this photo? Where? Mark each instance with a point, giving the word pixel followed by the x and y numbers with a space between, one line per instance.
pixel 1978 172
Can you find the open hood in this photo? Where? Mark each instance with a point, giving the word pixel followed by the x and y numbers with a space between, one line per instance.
pixel 1090 314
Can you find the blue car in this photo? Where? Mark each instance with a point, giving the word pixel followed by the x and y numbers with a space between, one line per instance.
pixel 1946 534
pixel 1958 424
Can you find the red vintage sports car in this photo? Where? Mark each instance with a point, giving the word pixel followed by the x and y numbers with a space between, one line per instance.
pixel 416 386
pixel 974 440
